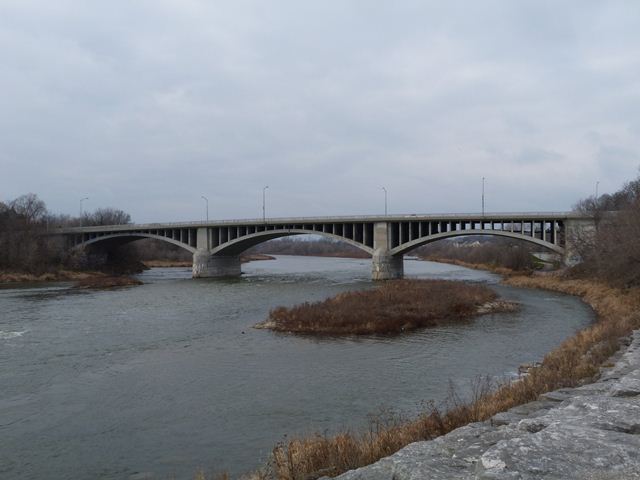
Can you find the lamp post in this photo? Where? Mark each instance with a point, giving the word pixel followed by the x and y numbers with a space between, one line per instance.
pixel 597 184
pixel 385 200
pixel 483 197
pixel 264 215
pixel 207 203
pixel 82 200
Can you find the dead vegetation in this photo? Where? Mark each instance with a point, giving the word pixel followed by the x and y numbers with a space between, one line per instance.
pixel 393 307
pixel 56 276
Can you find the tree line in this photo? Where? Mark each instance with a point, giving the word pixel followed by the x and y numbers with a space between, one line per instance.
pixel 24 243
pixel 612 253
pixel 483 250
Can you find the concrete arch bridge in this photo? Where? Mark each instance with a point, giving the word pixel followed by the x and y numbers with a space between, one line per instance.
pixel 216 246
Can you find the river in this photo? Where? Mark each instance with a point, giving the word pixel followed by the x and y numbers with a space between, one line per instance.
pixel 169 377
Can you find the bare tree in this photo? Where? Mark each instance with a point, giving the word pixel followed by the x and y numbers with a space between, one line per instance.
pixel 106 216
pixel 30 207
pixel 24 245
pixel 613 253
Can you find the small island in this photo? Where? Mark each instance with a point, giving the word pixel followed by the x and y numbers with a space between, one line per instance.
pixel 391 308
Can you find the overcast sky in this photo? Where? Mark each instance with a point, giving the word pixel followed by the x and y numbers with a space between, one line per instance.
pixel 147 105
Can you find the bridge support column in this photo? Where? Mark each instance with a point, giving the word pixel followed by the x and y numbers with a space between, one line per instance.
pixel 385 266
pixel 206 265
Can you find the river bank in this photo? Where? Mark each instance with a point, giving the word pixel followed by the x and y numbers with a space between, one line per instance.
pixel 56 276
pixel 577 361
pixel 504 271
pixel 585 432
pixel 63 275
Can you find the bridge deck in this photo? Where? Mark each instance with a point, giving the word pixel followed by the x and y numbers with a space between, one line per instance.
pixel 477 217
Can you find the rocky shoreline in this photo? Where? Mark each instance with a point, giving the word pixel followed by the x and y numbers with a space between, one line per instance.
pixel 587 432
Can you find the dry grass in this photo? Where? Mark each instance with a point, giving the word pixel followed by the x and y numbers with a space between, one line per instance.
pixel 202 475
pixel 393 307
pixel 575 361
pixel 490 267
pixel 56 276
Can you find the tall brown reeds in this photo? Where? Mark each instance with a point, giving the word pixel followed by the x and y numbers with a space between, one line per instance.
pixel 392 307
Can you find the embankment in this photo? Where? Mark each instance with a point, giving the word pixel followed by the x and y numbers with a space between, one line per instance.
pixel 586 432
pixel 476 266
pixel 86 275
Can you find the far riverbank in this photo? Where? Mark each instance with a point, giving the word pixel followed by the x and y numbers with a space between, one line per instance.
pixel 64 275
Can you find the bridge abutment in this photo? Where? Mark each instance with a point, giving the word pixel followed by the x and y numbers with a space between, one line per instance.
pixel 579 237
pixel 206 265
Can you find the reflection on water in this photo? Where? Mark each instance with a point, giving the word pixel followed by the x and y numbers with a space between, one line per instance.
pixel 169 376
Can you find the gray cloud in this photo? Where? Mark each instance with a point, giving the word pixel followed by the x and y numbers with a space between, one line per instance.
pixel 147 105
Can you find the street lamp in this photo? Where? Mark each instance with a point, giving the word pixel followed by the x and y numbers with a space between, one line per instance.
pixel 82 200
pixel 207 202
pixel 264 216
pixel 483 197
pixel 597 183
pixel 385 200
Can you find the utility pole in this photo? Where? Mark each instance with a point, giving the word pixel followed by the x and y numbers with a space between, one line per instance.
pixel 483 196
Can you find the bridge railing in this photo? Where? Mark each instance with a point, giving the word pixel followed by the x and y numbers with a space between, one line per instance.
pixel 497 216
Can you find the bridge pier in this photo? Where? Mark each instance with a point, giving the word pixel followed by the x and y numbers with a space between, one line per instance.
pixel 206 265
pixel 384 265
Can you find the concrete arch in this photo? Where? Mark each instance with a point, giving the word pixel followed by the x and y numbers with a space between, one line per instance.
pixel 407 247
pixel 132 237
pixel 239 245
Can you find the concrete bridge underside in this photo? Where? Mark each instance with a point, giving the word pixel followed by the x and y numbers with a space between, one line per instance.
pixel 216 247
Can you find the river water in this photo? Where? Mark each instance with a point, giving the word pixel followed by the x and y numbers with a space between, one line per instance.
pixel 169 377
